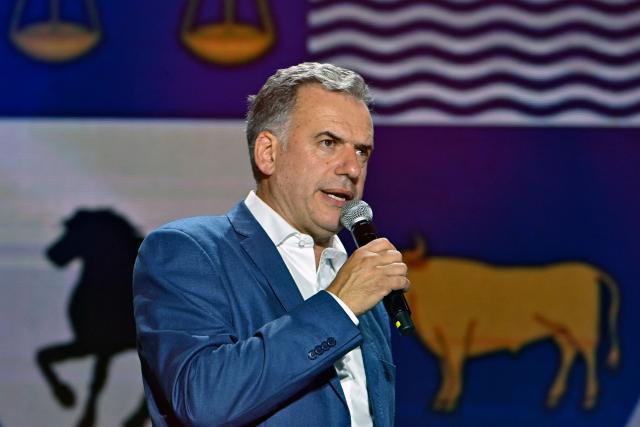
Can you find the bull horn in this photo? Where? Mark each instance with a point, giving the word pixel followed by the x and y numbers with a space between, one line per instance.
pixel 416 254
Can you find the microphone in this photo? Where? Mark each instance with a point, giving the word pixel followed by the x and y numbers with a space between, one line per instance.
pixel 356 216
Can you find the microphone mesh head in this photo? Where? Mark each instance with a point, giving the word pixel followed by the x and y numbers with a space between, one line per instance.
pixel 354 211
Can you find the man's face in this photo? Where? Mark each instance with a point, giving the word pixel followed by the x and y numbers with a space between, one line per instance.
pixel 324 163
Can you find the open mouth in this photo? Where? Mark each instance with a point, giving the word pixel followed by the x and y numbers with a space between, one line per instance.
pixel 339 195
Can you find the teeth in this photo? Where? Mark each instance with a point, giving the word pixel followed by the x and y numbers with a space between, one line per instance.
pixel 333 196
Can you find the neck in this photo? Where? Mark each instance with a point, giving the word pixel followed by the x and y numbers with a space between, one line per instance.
pixel 319 244
pixel 318 248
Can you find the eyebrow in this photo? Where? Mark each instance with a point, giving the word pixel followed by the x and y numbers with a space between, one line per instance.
pixel 330 135
pixel 364 147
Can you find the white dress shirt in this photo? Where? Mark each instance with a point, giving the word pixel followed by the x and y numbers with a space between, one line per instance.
pixel 296 249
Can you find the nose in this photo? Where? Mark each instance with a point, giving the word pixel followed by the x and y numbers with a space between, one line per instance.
pixel 349 163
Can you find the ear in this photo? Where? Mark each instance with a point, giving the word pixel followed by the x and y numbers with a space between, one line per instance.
pixel 265 152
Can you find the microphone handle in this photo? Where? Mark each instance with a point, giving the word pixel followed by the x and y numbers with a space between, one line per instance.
pixel 396 305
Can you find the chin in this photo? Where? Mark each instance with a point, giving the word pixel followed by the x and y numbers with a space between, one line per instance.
pixel 327 229
pixel 333 228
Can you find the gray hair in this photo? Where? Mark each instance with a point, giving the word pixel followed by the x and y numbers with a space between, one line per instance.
pixel 270 109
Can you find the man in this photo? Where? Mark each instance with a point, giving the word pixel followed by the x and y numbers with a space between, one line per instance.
pixel 258 317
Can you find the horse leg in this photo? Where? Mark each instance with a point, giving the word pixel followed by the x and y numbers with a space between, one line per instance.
pixel 97 384
pixel 139 416
pixel 53 354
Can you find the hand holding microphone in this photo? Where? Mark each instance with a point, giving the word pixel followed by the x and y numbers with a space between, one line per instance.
pixel 374 272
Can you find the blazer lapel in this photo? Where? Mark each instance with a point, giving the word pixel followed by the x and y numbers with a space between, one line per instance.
pixel 265 256
pixel 259 247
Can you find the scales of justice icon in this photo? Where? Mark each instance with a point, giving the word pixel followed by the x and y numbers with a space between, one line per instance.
pixel 55 40
pixel 228 42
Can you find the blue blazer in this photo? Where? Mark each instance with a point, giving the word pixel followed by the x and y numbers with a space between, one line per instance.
pixel 225 338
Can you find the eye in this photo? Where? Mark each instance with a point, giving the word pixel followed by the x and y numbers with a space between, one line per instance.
pixel 364 152
pixel 328 143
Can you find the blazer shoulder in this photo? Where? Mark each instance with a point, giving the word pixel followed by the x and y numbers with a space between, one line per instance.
pixel 212 224
pixel 211 232
pixel 205 231
pixel 197 225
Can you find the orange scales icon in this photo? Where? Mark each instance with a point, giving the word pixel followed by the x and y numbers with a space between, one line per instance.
pixel 55 40
pixel 228 42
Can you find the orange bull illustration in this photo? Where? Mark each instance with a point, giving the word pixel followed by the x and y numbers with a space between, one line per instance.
pixel 464 308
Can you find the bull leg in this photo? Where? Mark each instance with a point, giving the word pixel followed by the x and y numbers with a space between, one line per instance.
pixel 445 371
pixel 48 356
pixel 591 389
pixel 445 380
pixel 567 356
pixel 455 382
pixel 97 384
pixel 451 368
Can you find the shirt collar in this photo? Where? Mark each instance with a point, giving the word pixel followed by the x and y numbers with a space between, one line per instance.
pixel 276 227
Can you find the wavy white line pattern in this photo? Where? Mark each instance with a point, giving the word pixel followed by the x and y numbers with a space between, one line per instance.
pixel 415 39
pixel 492 13
pixel 476 1
pixel 411 66
pixel 482 62
pixel 386 97
pixel 575 118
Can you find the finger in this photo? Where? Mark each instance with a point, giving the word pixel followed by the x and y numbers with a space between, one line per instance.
pixel 382 258
pixel 398 283
pixel 389 256
pixel 379 245
pixel 394 269
pixel 372 260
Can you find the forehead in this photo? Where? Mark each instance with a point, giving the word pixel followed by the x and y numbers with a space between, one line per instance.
pixel 317 110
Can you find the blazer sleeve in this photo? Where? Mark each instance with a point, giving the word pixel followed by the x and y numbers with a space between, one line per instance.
pixel 193 359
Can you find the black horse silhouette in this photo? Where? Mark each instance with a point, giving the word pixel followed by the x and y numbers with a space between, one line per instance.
pixel 100 310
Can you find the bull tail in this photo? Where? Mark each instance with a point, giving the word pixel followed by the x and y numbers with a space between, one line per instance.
pixel 613 359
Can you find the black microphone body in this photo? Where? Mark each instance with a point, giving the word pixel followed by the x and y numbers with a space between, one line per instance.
pixel 396 305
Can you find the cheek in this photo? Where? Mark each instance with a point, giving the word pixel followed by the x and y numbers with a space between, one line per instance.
pixel 363 178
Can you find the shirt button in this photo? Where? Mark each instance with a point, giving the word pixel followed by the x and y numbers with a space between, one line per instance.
pixel 300 244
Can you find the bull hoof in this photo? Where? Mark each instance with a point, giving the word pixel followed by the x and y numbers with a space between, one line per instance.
pixel 64 395
pixel 589 402
pixel 444 405
pixel 553 400
pixel 438 405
